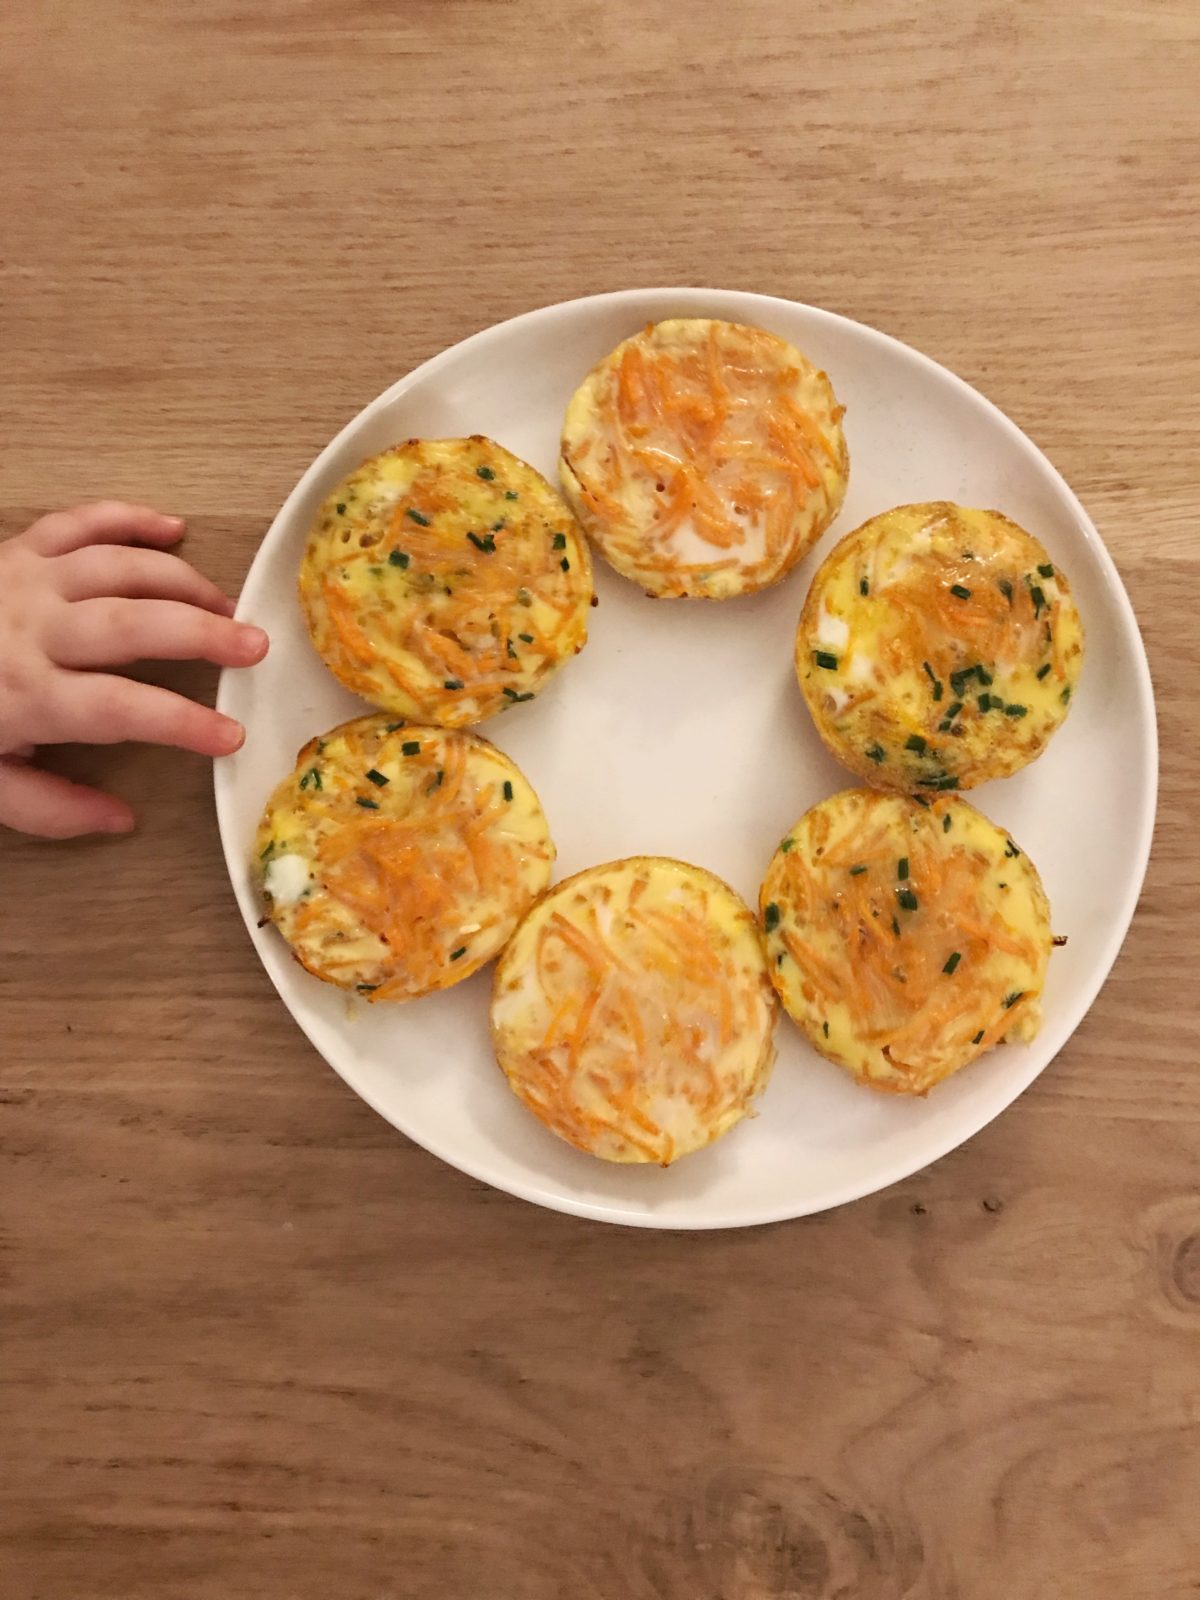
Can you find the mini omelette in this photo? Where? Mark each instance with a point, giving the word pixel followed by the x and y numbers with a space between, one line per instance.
pixel 938 647
pixel 632 1012
pixel 905 938
pixel 445 580
pixel 704 458
pixel 397 859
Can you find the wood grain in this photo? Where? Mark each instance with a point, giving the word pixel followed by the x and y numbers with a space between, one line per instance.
pixel 252 1342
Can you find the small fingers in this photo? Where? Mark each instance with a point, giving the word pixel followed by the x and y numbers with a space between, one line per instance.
pixel 32 801
pixel 105 522
pixel 109 633
pixel 97 708
pixel 114 569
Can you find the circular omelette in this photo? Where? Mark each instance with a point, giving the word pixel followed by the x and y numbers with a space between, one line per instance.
pixel 445 580
pixel 904 938
pixel 938 647
pixel 632 1011
pixel 704 458
pixel 397 858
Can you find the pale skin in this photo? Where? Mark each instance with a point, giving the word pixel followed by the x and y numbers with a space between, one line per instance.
pixel 82 592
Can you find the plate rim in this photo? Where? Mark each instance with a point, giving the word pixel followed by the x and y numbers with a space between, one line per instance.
pixel 693 296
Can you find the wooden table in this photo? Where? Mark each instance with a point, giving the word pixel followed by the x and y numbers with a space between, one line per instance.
pixel 252 1341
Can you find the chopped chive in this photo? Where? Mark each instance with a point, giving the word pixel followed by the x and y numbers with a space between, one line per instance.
pixel 509 651
pixel 411 747
pixel 875 752
pixel 977 1037
pixel 377 778
pixel 311 776
pixel 952 962
pixel 934 680
pixel 1010 1000
pixel 452 683
pixel 1043 670
pixel 526 638
pixel 341 508
pixel 1039 599
pixel 824 659
pixel 984 676
pixel 1046 571
pixel 487 544
pixel 985 702
pixel 367 805
pixel 915 743
pixel 902 868
pixel 397 558
pixel 825 1029
pixel 265 855
pixel 895 927
pixel 496 526
pixel 1065 695
pixel 392 726
pixel 508 789
pixel 366 988
pixel 907 899
pixel 1005 589
pixel 559 542
pixel 857 872
pixel 455 955
pixel 946 781
pixel 436 782
pixel 953 710
pixel 418 518
pixel 1016 711
pixel 1010 848
pixel 376 572
pixel 565 564
pixel 946 823
pixel 961 590
pixel 786 844
pixel 779 958
pixel 863 586
pixel 524 596
pixel 510 494
pixel 771 917
pixel 485 472
pixel 514 696
pixel 920 798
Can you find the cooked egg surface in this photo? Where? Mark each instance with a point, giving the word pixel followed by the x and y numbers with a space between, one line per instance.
pixel 445 580
pixel 704 458
pixel 398 858
pixel 632 1012
pixel 938 647
pixel 905 939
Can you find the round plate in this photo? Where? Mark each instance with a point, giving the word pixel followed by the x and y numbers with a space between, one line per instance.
pixel 680 731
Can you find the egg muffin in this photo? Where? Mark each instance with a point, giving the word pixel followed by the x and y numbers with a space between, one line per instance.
pixel 938 647
pixel 398 858
pixel 905 939
pixel 632 1012
pixel 445 580
pixel 704 458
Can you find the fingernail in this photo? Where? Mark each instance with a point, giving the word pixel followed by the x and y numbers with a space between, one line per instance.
pixel 254 641
pixel 233 735
pixel 119 822
pixel 177 523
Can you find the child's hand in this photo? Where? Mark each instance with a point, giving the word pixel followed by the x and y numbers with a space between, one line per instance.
pixel 93 588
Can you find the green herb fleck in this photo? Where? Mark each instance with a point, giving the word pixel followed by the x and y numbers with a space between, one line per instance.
pixel 515 697
pixel 456 955
pixel 961 590
pixel 863 586
pixel 1039 599
pixel 875 753
pixel 485 472
pixel 1005 589
pixel 508 789
pixel 771 917
pixel 915 743
pixel 786 844
pixel 977 1037
pixel 895 927
pixel 1046 571
pixel 825 1029
pixel 1016 711
pixel 1010 1000
pixel 418 518
pixel 510 494
pixel 341 508
pixel 411 747
pixel 265 855
pixel 524 596
pixel 934 680
pixel 1010 848
pixel 311 776
pixel 397 558
pixel 377 778
pixel 1043 671
pixel 435 782
pixel 907 899
pixel 986 701
pixel 452 683
pixel 1065 695
pixel 525 638
pixel 857 872
pixel 366 988
pixel 559 541
pixel 367 805
pixel 392 726
pixel 902 868
pixel 565 564
pixel 824 659
pixel 946 823
pixel 952 961
pixel 487 544
pixel 509 651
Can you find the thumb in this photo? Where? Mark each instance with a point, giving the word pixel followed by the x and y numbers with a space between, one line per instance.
pixel 33 801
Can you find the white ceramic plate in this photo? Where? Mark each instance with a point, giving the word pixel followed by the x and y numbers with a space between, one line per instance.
pixel 680 731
